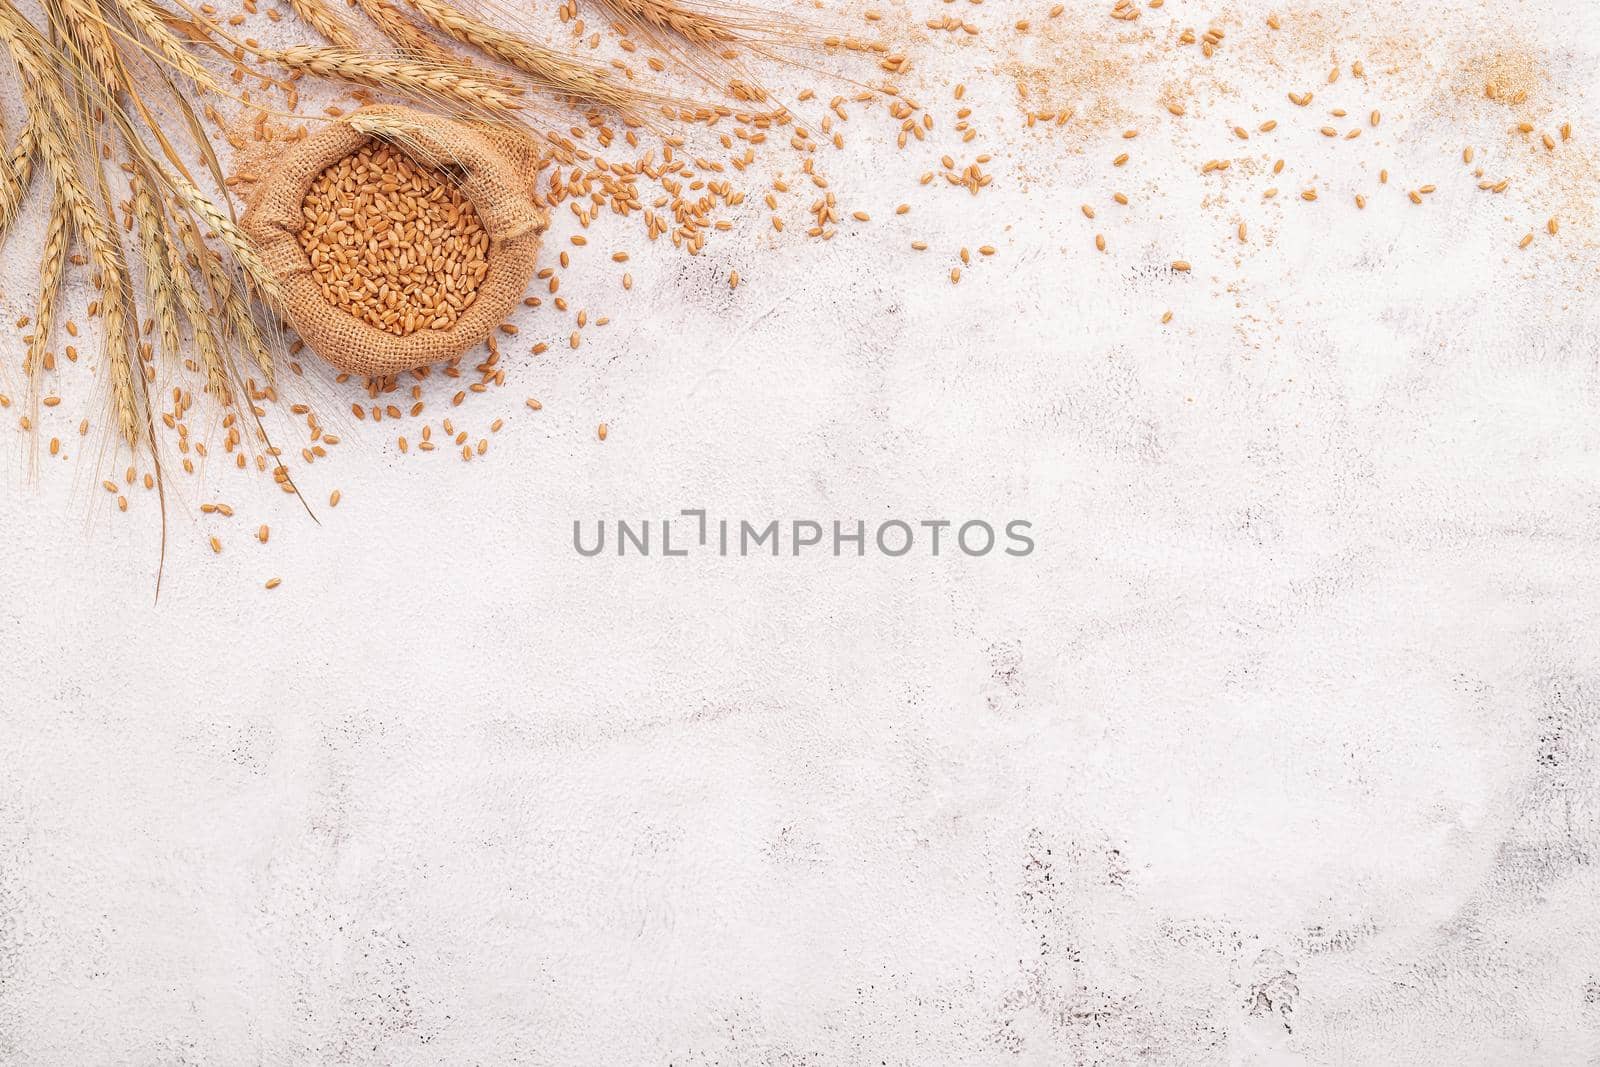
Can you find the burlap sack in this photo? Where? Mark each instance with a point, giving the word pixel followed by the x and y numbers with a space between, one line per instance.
pixel 496 168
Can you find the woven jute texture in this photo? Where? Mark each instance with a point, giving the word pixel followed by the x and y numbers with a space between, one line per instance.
pixel 495 167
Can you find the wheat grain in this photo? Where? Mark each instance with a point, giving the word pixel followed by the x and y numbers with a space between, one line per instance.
pixel 393 243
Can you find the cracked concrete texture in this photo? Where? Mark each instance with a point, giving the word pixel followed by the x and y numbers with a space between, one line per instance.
pixel 1281 748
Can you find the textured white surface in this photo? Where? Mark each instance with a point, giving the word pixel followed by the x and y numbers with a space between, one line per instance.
pixel 1282 748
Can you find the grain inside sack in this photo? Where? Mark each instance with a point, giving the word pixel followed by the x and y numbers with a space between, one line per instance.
pixel 400 238
pixel 392 242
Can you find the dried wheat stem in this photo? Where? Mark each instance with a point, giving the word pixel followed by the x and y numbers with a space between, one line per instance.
pixel 321 18
pixel 53 268
pixel 698 27
pixel 158 269
pixel 194 309
pixel 405 76
pixel 244 253
pixel 405 33
pixel 556 70
pixel 18 175
pixel 233 308
pixel 151 23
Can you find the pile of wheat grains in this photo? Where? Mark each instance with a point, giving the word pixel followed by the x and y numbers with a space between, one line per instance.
pixel 393 242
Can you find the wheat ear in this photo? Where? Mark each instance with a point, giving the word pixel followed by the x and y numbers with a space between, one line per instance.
pixel 151 23
pixel 403 32
pixel 405 76
pixel 18 175
pixel 158 269
pixel 235 312
pixel 53 268
pixel 553 69
pixel 321 18
pixel 119 346
pixel 194 309
pixel 244 253
pixel 699 27
pixel 47 103
pixel 86 38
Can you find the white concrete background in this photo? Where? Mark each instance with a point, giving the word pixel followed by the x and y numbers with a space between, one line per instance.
pixel 1282 748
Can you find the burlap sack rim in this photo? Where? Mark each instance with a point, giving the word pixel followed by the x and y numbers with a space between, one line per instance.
pixel 514 223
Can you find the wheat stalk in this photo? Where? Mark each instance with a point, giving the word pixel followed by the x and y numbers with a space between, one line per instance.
pixel 158 269
pixel 47 102
pixel 244 253
pixel 199 321
pixel 403 75
pixel 150 22
pixel 403 32
pixel 554 69
pixel 18 175
pixel 235 311
pixel 697 26
pixel 57 234
pixel 321 18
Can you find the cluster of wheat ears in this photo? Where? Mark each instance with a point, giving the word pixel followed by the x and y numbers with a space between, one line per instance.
pixel 174 276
